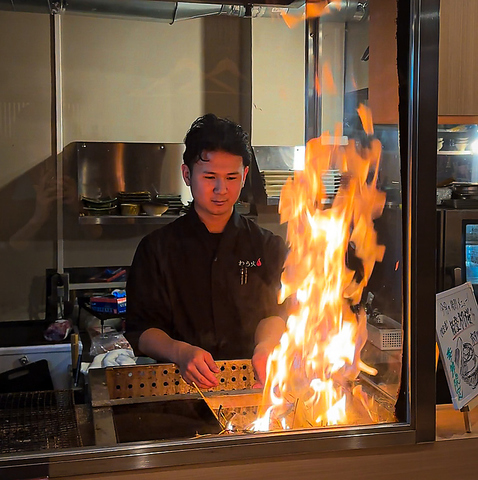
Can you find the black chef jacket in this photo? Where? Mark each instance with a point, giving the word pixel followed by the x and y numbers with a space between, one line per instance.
pixel 209 290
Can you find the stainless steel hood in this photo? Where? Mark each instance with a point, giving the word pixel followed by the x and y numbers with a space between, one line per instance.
pixel 167 11
pixel 138 9
pixel 158 10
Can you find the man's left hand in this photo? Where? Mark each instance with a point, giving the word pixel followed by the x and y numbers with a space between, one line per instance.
pixel 259 363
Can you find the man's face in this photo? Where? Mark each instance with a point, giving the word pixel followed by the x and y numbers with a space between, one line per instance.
pixel 215 183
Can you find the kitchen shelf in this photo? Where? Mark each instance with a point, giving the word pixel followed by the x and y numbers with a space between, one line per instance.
pixel 126 220
pixel 142 219
pixel 450 130
pixel 96 285
pixel 455 152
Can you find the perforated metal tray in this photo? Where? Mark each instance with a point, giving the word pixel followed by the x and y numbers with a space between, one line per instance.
pixel 165 379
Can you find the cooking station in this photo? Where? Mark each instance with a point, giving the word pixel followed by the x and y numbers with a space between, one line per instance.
pixel 151 402
pixel 160 405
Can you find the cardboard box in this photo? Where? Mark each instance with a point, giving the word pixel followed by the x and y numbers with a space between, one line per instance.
pixel 108 304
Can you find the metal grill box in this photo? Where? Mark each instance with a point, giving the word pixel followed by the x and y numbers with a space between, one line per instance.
pixel 385 333
pixel 133 392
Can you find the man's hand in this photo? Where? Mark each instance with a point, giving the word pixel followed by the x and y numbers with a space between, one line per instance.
pixel 197 365
pixel 259 362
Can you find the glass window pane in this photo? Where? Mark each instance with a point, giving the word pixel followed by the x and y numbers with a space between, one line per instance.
pixel 132 82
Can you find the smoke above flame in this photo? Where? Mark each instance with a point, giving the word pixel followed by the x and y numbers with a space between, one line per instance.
pixel 311 374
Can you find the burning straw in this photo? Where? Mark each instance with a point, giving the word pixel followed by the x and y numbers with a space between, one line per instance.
pixel 311 373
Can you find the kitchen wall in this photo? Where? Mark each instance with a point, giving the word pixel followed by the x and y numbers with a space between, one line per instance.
pixel 27 173
pixel 130 81
pixel 356 68
pixel 25 93
pixel 143 81
pixel 123 80
pixel 278 89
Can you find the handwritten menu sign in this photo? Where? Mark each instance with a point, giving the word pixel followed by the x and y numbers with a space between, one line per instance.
pixel 457 333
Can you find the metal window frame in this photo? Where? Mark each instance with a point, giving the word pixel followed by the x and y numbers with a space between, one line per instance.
pixel 419 138
pixel 421 207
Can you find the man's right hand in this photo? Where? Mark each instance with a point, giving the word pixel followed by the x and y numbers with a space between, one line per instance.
pixel 197 365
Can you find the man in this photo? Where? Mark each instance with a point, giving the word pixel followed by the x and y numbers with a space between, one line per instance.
pixel 205 286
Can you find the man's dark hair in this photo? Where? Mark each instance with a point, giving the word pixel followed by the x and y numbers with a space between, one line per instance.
pixel 211 133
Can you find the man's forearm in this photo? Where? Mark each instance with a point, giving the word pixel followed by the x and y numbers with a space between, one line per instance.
pixel 157 344
pixel 268 335
pixel 269 331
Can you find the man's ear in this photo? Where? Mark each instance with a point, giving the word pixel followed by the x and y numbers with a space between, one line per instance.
pixel 186 174
pixel 244 176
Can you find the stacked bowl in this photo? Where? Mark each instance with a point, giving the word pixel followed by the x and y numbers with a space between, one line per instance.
pixel 99 206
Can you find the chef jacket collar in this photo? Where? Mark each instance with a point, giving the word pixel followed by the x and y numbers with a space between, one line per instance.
pixel 232 224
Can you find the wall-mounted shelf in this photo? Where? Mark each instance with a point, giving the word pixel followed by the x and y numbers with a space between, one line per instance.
pixel 96 285
pixel 455 152
pixel 127 220
pixel 140 219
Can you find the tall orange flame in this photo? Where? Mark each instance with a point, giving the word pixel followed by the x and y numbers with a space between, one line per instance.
pixel 313 9
pixel 310 373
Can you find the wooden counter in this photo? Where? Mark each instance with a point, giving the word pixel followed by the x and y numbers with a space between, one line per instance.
pixel 450 424
pixel 452 456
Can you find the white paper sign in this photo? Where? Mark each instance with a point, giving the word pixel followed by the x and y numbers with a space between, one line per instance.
pixel 457 333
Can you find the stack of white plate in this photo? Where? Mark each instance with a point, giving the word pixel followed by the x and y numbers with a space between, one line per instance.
pixel 331 181
pixel 274 180
pixel 461 143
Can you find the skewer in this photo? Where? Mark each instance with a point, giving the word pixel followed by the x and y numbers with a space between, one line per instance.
pixel 204 398
pixel 295 412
